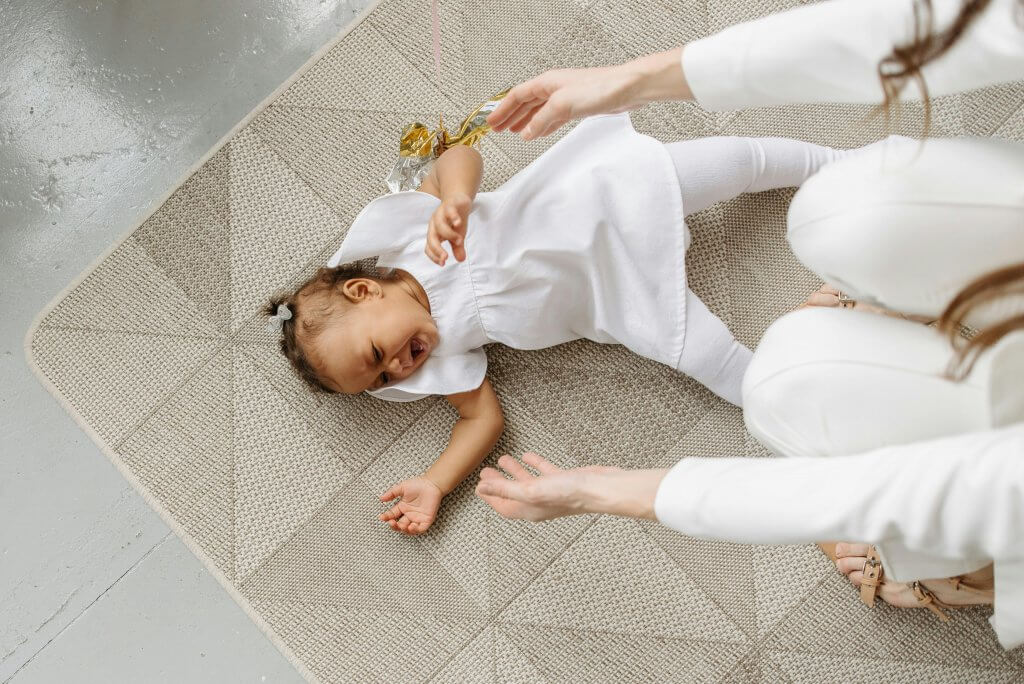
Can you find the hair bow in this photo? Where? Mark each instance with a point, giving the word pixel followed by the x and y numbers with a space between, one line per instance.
pixel 276 321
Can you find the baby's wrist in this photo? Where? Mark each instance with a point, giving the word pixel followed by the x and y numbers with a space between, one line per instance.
pixel 434 480
pixel 457 197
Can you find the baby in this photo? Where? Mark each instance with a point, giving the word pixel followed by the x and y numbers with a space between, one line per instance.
pixel 588 241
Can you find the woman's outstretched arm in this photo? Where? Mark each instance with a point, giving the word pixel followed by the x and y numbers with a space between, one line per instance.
pixel 825 52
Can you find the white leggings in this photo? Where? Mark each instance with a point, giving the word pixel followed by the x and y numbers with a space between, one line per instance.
pixel 712 170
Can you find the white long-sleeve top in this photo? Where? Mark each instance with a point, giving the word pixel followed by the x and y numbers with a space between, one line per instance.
pixel 830 51
pixel 935 499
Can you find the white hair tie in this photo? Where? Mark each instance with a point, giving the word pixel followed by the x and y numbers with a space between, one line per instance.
pixel 276 322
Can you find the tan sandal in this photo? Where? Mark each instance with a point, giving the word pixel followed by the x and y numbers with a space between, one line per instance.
pixel 978 585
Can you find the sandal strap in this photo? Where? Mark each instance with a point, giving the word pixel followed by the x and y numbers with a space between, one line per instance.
pixel 926 599
pixel 872 577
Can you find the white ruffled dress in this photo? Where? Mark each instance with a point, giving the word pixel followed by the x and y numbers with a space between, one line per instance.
pixel 588 241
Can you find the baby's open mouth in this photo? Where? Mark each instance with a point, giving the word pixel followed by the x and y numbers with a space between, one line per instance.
pixel 416 347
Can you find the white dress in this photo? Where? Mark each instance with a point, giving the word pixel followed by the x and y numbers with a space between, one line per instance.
pixel 588 241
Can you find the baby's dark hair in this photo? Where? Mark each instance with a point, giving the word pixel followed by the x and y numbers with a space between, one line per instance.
pixel 311 306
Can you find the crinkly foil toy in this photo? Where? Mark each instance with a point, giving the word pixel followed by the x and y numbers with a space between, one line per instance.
pixel 419 147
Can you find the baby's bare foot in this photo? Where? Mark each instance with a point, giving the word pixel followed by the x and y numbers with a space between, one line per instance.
pixel 966 590
pixel 828 296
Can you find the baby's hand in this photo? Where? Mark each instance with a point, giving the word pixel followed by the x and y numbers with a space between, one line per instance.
pixel 420 499
pixel 449 224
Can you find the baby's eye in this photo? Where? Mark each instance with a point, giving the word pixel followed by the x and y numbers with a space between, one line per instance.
pixel 376 353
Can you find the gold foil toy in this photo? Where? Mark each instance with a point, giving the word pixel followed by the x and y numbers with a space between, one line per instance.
pixel 419 146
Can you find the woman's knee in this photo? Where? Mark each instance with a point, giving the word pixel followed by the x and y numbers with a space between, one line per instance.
pixel 827 382
pixel 907 225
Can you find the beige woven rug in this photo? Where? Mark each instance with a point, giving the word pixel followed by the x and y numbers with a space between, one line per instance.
pixel 159 353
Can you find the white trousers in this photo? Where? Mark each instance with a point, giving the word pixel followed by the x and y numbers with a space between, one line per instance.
pixel 930 470
pixel 907 227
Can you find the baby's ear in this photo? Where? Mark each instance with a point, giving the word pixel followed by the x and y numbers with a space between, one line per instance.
pixel 360 289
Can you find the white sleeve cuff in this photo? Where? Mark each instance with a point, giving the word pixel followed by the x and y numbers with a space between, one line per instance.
pixel 673 505
pixel 713 68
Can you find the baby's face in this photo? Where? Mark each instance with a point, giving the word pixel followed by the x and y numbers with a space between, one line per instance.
pixel 377 342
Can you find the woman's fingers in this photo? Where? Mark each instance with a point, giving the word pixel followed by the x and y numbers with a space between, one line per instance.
pixel 540 463
pixel 500 488
pixel 490 473
pixel 514 468
pixel 524 94
pixel 522 117
pixel 547 119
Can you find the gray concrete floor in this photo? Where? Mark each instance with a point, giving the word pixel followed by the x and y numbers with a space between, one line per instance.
pixel 103 106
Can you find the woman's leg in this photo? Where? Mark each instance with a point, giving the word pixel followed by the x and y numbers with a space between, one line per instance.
pixel 831 382
pixel 906 225
pixel 711 354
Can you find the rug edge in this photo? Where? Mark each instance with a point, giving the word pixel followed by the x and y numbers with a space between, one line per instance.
pixel 69 408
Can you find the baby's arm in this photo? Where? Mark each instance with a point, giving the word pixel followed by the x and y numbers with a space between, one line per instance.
pixel 715 169
pixel 475 433
pixel 454 179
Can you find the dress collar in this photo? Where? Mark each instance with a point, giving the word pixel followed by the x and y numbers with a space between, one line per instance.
pixel 386 226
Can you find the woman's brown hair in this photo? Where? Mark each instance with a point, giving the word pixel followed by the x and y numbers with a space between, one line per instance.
pixel 895 72
pixel 984 290
pixel 312 305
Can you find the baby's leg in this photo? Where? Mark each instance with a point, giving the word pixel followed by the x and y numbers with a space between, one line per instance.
pixel 710 352
pixel 715 169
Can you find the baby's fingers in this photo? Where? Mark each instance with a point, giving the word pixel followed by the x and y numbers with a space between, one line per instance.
pixel 391 493
pixel 434 250
pixel 454 237
pixel 391 514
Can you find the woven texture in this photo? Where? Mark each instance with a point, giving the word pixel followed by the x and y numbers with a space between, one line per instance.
pixel 161 353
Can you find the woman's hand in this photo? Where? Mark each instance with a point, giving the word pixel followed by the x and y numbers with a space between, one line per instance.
pixel 420 499
pixel 543 104
pixel 448 224
pixel 554 494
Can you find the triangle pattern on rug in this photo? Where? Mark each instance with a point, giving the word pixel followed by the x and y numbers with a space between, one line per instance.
pixel 285 471
pixel 598 656
pixel 183 454
pixel 277 224
pixel 346 557
pixel 606 581
pixel 129 293
pixel 723 571
pixel 492 558
pixel 820 667
pixel 380 646
pixel 490 657
pixel 115 379
pixel 189 238
pixel 361 427
pixel 338 82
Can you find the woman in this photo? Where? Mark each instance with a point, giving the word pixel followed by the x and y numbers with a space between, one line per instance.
pixel 928 467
